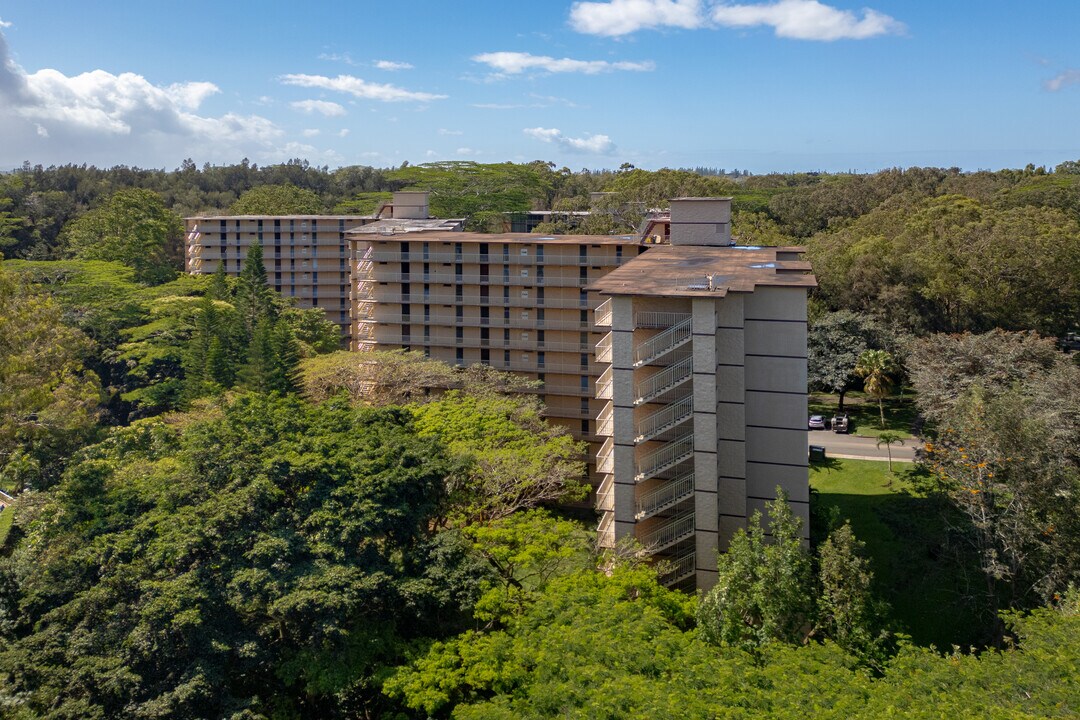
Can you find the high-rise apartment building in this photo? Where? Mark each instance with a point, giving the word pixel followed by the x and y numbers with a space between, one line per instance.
pixel 680 358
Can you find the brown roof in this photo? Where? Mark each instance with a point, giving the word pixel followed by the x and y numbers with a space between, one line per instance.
pixel 685 270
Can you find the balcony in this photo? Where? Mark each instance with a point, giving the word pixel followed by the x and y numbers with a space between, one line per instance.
pixel 605 531
pixel 666 457
pixel 667 534
pixel 605 457
pixel 604 385
pixel 659 345
pixel 605 494
pixel 659 319
pixel 602 314
pixel 664 419
pixel 603 349
pixel 684 567
pixel 667 496
pixel 605 425
pixel 664 381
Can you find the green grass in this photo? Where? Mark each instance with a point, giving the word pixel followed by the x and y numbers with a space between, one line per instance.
pixel 865 417
pixel 6 519
pixel 905 539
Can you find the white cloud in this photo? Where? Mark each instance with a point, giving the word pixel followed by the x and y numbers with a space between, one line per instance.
pixel 391 65
pixel 335 57
pixel 343 132
pixel 359 88
pixel 500 106
pixel 795 19
pixel 97 116
pixel 594 144
pixel 808 20
pixel 514 63
pixel 621 17
pixel 324 107
pixel 466 151
pixel 5 23
pixel 311 132
pixel 1064 79
pixel 444 131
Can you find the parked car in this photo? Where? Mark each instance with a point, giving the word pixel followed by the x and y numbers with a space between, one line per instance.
pixel 840 423
pixel 817 422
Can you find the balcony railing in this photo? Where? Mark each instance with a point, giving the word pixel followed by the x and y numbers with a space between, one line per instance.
pixel 605 531
pixel 685 566
pixel 605 494
pixel 659 319
pixel 605 420
pixel 491 279
pixel 668 495
pixel 392 296
pixel 603 314
pixel 668 456
pixel 664 419
pixel 603 349
pixel 529 323
pixel 669 533
pixel 659 383
pixel 604 385
pixel 605 457
pixel 500 259
pixel 660 345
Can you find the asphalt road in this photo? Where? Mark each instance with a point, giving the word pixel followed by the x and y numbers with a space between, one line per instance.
pixel 851 446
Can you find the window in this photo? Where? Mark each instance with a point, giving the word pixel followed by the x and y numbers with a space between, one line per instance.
pixel 485 356
pixel 540 359
pixel 485 335
pixel 460 356
pixel 459 333
pixel 585 406
pixel 585 427
pixel 459 312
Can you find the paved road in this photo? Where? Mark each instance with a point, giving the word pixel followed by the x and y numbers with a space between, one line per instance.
pixel 852 446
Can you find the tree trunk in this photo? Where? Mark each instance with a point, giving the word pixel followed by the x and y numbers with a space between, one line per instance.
pixel 842 392
pixel 881 409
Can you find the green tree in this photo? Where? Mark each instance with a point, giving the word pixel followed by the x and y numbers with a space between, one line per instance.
pixel 888 438
pixel 876 367
pixel 834 344
pixel 763 592
pixel 847 612
pixel 254 298
pixel 132 227
pixel 277 200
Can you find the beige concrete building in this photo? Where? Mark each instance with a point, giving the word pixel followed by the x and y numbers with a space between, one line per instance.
pixel 680 358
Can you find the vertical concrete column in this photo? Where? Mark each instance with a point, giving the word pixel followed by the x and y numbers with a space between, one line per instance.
pixel 703 344
pixel 622 363
pixel 730 417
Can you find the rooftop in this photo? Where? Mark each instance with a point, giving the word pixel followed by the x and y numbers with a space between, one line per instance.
pixel 687 270
pixel 280 217
pixel 401 226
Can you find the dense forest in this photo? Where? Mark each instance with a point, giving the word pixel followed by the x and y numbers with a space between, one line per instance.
pixel 219 513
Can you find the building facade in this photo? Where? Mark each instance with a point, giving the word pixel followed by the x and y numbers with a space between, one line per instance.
pixel 680 358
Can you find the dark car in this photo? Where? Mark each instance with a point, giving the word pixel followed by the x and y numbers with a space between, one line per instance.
pixel 840 423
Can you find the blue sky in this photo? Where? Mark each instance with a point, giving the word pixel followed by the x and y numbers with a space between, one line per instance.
pixel 783 85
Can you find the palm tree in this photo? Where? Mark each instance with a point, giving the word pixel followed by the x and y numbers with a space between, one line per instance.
pixel 874 367
pixel 887 439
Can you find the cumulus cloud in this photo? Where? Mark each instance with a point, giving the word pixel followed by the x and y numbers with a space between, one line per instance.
pixel 622 17
pixel 808 20
pixel 311 132
pixel 391 65
pixel 323 107
pixel 444 131
pixel 4 23
pixel 515 63
pixel 359 88
pixel 593 144
pixel 794 19
pixel 343 132
pixel 1064 79
pixel 46 116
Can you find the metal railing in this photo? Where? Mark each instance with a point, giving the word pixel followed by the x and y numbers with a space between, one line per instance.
pixel 659 383
pixel 604 385
pixel 494 279
pixel 684 566
pixel 605 457
pixel 670 494
pixel 659 319
pixel 664 419
pixel 605 424
pixel 386 296
pixel 603 349
pixel 602 314
pixel 499 258
pixel 605 531
pixel 667 456
pixel 605 494
pixel 671 532
pixel 530 323
pixel 531 345
pixel 660 345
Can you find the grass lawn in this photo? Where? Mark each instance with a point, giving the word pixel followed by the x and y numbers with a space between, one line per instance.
pixel 904 536
pixel 7 517
pixel 864 413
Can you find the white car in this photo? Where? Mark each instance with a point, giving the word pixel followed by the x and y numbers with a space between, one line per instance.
pixel 817 422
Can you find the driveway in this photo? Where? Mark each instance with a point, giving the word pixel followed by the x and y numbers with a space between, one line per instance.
pixel 859 448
